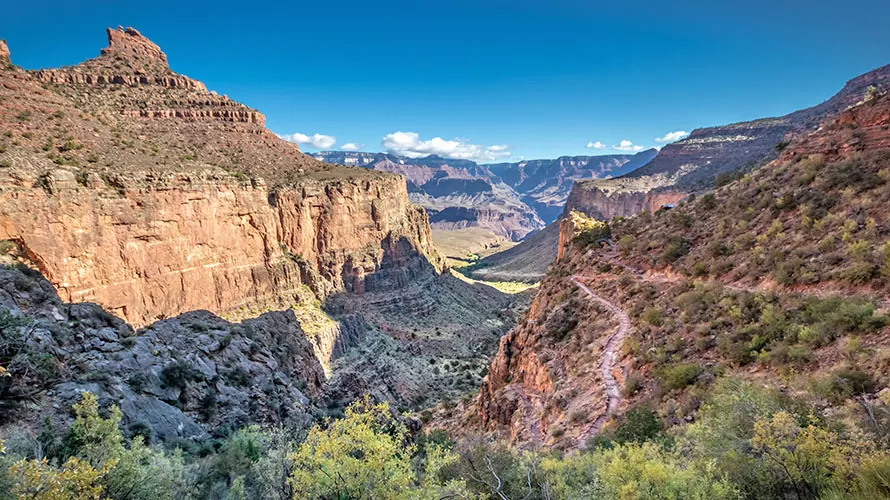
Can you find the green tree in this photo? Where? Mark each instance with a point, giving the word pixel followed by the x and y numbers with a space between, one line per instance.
pixel 367 454
pixel 645 472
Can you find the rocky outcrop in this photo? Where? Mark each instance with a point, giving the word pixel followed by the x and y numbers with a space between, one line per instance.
pixel 545 184
pixel 862 128
pixel 4 50
pixel 457 193
pixel 179 378
pixel 129 44
pixel 512 225
pixel 620 197
pixel 215 109
pixel 164 198
pixel 130 59
pixel 69 77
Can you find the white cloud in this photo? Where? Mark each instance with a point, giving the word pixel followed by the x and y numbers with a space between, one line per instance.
pixel 351 146
pixel 318 141
pixel 409 144
pixel 595 145
pixel 627 146
pixel 672 136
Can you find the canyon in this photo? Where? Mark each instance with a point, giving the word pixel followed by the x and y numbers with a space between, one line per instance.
pixel 673 284
pixel 512 200
pixel 164 250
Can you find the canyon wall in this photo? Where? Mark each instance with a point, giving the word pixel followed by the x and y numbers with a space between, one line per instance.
pixel 604 199
pixel 211 243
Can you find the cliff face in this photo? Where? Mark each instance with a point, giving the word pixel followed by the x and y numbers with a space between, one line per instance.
pixel 136 188
pixel 606 199
pixel 212 244
pixel 545 184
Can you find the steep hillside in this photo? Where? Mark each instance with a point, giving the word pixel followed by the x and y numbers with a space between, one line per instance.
pixel 202 272
pixel 526 262
pixel 692 164
pixel 779 277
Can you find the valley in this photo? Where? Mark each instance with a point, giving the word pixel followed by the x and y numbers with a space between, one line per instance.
pixel 193 307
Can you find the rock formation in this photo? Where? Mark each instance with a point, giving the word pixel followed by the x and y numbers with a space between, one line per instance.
pixel 545 184
pixel 162 197
pixel 617 197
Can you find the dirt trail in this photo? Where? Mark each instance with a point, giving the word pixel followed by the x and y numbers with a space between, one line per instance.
pixel 609 360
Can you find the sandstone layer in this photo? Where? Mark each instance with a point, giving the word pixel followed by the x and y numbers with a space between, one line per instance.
pixel 134 187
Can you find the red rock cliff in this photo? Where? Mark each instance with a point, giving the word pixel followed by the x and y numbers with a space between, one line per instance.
pixel 160 197
pixel 604 199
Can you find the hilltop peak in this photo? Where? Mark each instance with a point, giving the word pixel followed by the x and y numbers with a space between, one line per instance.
pixel 4 50
pixel 128 43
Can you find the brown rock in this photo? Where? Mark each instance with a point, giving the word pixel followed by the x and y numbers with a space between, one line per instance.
pixel 4 50
pixel 604 199
pixel 181 199
pixel 218 246
pixel 129 43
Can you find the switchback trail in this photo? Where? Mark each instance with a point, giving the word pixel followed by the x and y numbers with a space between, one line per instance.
pixel 609 360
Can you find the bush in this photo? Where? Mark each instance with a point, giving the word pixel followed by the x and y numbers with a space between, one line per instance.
pixel 178 374
pixel 640 425
pixel 676 248
pixel 679 375
pixel 844 384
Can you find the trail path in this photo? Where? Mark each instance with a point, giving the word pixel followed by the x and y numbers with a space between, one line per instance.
pixel 608 364
pixel 609 360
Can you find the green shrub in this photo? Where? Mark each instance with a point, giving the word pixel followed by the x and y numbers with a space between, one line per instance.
pixel 679 375
pixel 640 425
pixel 178 374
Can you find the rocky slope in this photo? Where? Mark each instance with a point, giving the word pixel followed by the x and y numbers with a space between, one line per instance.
pixel 180 378
pixel 648 311
pixel 526 262
pixel 693 163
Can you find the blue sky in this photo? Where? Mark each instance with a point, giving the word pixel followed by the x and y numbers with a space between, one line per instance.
pixel 533 79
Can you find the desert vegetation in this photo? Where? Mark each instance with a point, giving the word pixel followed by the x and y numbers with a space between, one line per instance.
pixel 747 442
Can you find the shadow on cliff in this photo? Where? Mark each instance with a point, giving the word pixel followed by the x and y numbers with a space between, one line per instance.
pixel 426 335
pixel 184 377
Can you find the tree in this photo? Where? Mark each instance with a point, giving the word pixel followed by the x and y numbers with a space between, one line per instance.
pixel 75 480
pixel 645 472
pixel 367 454
pixel 809 458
